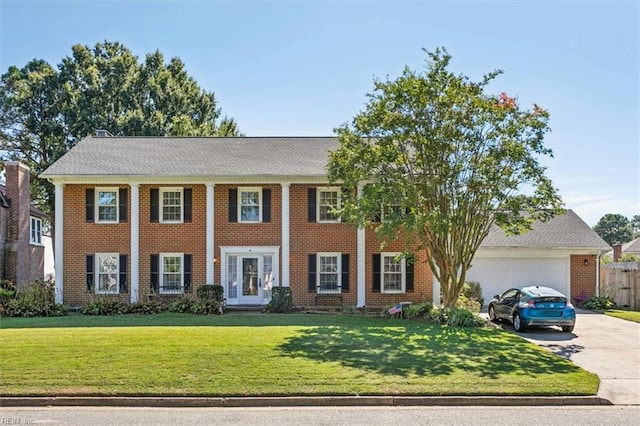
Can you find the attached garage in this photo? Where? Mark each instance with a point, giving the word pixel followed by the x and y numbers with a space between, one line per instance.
pixel 497 274
pixel 562 253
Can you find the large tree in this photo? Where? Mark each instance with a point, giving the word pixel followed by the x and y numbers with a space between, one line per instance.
pixel 614 228
pixel 444 160
pixel 45 111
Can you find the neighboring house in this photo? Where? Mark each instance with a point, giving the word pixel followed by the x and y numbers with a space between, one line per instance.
pixel 157 215
pixel 632 247
pixel 21 226
pixel 562 253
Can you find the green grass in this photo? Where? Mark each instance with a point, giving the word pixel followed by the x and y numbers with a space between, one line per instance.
pixel 626 315
pixel 174 354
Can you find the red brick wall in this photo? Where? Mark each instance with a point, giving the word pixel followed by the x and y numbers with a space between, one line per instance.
pixel 244 234
pixel 82 238
pixel 312 237
pixel 422 286
pixel 583 277
pixel 187 238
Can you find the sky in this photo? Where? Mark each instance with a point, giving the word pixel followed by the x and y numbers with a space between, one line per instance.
pixel 302 68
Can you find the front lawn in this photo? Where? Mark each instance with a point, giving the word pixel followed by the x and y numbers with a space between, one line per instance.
pixel 179 354
pixel 626 315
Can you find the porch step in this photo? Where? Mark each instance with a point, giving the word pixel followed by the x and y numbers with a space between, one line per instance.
pixel 245 309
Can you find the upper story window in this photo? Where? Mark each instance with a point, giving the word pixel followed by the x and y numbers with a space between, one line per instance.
pixel 107 205
pixel 171 201
pixel 328 201
pixel 249 203
pixel 35 231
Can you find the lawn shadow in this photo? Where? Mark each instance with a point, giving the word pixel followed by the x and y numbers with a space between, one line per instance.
pixel 410 348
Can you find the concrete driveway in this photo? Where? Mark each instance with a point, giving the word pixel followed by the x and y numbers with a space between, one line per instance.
pixel 604 345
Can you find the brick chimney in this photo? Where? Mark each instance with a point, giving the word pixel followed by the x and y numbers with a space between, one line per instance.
pixel 17 250
pixel 617 252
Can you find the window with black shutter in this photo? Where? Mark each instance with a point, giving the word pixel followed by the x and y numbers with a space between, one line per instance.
pixel 90 273
pixel 312 273
pixel 345 273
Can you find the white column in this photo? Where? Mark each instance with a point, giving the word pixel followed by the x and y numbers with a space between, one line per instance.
pixel 361 263
pixel 284 280
pixel 58 243
pixel 210 249
pixel 135 242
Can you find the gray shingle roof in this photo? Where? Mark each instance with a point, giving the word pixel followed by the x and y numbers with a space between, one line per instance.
pixel 563 231
pixel 195 157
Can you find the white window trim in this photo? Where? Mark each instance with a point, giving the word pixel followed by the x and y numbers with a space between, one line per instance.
pixel 338 272
pixel 162 190
pixel 161 273
pixel 327 189
pixel 403 271
pixel 250 189
pixel 97 203
pixel 38 241
pixel 96 273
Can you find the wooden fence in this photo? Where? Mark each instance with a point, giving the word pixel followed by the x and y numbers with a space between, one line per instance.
pixel 621 282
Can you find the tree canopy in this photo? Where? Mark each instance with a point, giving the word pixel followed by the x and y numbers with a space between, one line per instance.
pixel 45 111
pixel 444 160
pixel 615 228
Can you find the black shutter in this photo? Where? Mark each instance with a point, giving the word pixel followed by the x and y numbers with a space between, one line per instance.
pixel 233 205
pixel 345 273
pixel 187 273
pixel 123 273
pixel 311 205
pixel 376 273
pixel 122 201
pixel 409 276
pixel 312 273
pixel 90 276
pixel 155 205
pixel 155 284
pixel 89 205
pixel 266 205
pixel 188 196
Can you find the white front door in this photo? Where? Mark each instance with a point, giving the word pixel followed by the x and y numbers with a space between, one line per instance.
pixel 248 275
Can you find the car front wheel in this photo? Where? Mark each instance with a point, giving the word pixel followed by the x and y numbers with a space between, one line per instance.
pixel 492 314
pixel 517 323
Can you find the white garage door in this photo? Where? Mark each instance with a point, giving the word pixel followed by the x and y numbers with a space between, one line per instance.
pixel 496 275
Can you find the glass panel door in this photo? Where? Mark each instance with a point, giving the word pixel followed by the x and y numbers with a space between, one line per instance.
pixel 251 280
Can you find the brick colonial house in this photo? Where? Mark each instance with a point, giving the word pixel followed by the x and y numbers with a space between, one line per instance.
pixel 159 215
pixel 21 241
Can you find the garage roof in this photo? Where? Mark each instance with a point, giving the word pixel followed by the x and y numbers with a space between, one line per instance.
pixel 563 231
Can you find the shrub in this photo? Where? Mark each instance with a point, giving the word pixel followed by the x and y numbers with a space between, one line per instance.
pixel 461 317
pixel 465 302
pixel 210 292
pixel 417 311
pixel 36 300
pixel 182 305
pixel 629 257
pixel 598 303
pixel 146 308
pixel 6 295
pixel 208 307
pixel 281 301
pixel 437 315
pixel 348 309
pixel 473 291
pixel 105 306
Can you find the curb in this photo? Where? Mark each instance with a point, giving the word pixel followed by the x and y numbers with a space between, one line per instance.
pixel 300 401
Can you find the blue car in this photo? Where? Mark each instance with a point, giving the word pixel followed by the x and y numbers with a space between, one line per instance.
pixel 533 306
